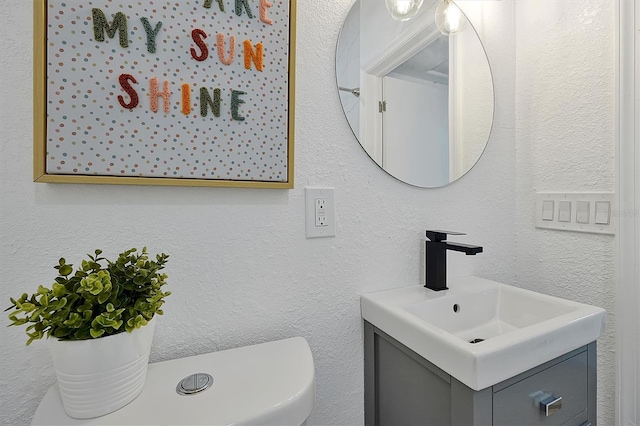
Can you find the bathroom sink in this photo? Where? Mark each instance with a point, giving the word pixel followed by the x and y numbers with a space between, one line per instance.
pixel 482 332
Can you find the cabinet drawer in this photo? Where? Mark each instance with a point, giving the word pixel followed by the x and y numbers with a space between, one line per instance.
pixel 519 404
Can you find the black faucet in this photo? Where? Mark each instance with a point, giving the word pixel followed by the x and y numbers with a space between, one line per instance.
pixel 436 257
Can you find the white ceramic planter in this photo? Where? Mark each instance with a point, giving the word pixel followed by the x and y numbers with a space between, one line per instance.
pixel 99 376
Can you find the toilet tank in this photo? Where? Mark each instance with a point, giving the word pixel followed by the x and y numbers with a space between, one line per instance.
pixel 266 384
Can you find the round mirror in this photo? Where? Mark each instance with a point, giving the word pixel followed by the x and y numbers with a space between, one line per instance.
pixel 420 103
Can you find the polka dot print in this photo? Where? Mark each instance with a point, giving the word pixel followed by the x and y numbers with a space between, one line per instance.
pixel 89 132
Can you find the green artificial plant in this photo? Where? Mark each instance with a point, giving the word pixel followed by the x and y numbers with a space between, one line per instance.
pixel 97 300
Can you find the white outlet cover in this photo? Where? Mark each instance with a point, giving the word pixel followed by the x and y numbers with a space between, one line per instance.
pixel 328 227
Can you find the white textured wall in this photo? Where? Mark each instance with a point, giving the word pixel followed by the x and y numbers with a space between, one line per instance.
pixel 565 100
pixel 241 270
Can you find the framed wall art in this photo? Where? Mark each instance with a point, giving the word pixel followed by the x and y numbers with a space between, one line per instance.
pixel 164 92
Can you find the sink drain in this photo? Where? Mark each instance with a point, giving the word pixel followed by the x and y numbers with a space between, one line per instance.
pixel 476 340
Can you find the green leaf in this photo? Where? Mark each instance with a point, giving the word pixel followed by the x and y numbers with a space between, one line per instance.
pixel 95 333
pixel 103 297
pixel 81 334
pixel 86 306
pixel 74 320
pixel 19 321
pixel 65 270
pixel 140 321
pixel 59 290
pixel 109 322
pixel 27 307
pixel 61 332
pixel 34 336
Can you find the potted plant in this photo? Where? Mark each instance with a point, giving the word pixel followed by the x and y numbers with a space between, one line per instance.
pixel 101 317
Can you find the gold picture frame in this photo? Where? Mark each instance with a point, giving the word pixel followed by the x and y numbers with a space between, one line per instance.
pixel 72 144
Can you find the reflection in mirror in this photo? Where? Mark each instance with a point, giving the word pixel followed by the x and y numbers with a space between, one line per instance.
pixel 421 104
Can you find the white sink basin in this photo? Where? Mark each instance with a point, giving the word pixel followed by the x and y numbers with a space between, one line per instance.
pixel 515 329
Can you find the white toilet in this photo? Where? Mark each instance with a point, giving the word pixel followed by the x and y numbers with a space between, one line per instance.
pixel 267 384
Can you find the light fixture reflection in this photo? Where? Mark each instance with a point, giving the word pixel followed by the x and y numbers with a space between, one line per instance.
pixel 402 10
pixel 449 18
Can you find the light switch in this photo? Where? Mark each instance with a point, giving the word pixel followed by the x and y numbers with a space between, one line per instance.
pixel 564 211
pixel 547 210
pixel 582 212
pixel 603 212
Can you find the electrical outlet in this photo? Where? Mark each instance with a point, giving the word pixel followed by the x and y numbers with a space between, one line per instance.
pixel 320 213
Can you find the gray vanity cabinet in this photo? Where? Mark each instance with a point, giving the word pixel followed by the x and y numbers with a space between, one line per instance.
pixel 402 388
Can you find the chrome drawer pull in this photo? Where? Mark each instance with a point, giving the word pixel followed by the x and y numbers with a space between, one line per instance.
pixel 551 405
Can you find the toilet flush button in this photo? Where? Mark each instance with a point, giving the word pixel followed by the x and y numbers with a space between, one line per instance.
pixel 194 383
pixel 202 380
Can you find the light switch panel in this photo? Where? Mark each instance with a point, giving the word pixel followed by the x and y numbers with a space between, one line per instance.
pixel 576 211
